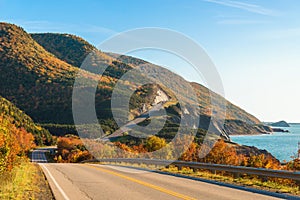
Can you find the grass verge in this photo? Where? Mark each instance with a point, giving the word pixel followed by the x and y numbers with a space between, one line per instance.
pixel 278 185
pixel 272 185
pixel 26 181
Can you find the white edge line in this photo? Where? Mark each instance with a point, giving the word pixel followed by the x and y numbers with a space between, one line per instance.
pixel 55 183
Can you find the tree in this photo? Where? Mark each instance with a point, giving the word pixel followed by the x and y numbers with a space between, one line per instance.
pixel 14 142
pixel 192 154
pixel 154 143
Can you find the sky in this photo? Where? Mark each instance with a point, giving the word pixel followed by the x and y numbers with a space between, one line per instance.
pixel 254 44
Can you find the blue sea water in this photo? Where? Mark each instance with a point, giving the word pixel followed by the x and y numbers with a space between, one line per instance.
pixel 283 146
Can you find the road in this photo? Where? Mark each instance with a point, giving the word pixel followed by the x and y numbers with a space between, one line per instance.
pixel 130 125
pixel 92 181
pixel 38 156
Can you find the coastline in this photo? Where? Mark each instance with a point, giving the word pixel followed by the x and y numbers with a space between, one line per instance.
pixel 259 134
pixel 281 145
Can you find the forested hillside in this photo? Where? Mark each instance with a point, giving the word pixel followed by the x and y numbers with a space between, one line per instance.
pixel 79 49
pixel 14 143
pixel 55 44
pixel 33 79
pixel 17 118
pixel 38 73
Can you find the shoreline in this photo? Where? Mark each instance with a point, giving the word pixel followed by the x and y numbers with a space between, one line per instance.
pixel 238 135
pixel 271 133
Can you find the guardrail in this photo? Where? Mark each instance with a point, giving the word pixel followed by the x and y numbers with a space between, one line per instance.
pixel 236 170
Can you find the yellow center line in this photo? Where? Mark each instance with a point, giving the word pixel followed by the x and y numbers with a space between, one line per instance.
pixel 170 192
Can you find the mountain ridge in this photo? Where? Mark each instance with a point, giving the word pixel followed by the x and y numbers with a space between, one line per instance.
pixel 136 61
pixel 45 75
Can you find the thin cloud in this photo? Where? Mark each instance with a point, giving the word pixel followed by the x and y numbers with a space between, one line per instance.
pixel 46 26
pixel 244 6
pixel 241 22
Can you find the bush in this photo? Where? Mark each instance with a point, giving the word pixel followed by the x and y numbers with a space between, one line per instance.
pixel 71 149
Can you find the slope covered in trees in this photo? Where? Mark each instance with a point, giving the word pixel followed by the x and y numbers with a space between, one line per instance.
pixel 55 44
pixel 78 49
pixel 38 76
pixel 18 135
pixel 31 77
pixel 233 112
pixel 34 79
pixel 41 84
pixel 14 143
pixel 17 118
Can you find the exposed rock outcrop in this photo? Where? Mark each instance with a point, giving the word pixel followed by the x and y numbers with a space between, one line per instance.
pixel 279 130
pixel 237 127
pixel 252 151
pixel 160 97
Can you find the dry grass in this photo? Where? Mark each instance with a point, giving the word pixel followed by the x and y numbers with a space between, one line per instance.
pixel 280 186
pixel 25 182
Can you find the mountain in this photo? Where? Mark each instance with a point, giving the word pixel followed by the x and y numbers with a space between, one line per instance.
pixel 34 79
pixel 280 124
pixel 31 77
pixel 37 74
pixel 15 116
pixel 54 42
pixel 234 114
pixel 41 84
pixel 79 48
pixel 237 120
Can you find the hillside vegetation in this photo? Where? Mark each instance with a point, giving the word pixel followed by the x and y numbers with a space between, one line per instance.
pixel 79 48
pixel 34 79
pixel 76 51
pixel 14 145
pixel 38 73
pixel 55 44
pixel 17 118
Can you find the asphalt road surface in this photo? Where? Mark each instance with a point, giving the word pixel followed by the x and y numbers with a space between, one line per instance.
pixel 38 156
pixel 92 181
pixel 84 181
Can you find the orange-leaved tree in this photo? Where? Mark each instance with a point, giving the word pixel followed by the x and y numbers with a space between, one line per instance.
pixel 14 143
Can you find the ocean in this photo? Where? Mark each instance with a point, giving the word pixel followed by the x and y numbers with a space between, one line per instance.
pixel 283 146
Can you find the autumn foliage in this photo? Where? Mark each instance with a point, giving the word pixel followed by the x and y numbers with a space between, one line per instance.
pixel 226 153
pixel 222 153
pixel 71 149
pixel 14 143
pixel 294 164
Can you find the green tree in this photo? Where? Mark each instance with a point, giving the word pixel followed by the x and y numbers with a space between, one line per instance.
pixel 155 143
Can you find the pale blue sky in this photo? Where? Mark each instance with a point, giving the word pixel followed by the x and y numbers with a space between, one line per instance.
pixel 254 44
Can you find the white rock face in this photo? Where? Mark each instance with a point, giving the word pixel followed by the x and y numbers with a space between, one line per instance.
pixel 161 97
pixel 186 111
pixel 144 108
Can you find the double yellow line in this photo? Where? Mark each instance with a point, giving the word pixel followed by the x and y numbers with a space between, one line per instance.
pixel 170 192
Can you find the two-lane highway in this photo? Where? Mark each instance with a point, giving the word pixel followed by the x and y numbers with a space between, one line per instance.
pixel 91 181
pixel 83 181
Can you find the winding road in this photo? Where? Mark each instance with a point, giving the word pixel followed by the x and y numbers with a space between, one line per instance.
pixel 93 181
